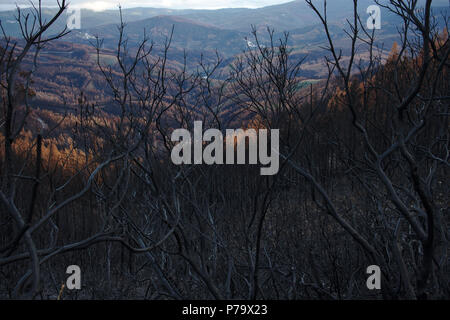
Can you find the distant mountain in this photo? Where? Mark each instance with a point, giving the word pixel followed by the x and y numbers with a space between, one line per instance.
pixel 287 16
pixel 188 34
pixel 283 17
pixel 202 32
pixel 89 18
pixel 71 62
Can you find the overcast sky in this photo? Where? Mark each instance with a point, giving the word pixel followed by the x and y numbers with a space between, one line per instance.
pixel 173 4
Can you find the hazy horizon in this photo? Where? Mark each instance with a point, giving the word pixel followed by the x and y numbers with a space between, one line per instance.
pixel 164 4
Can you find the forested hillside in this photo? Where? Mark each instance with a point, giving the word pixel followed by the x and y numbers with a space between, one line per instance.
pixel 86 176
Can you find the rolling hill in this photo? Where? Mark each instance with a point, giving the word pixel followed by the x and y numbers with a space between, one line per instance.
pixel 188 34
pixel 283 17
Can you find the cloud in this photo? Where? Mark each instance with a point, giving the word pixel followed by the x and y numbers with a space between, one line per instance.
pixel 173 4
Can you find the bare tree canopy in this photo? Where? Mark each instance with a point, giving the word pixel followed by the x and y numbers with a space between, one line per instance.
pixel 362 180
